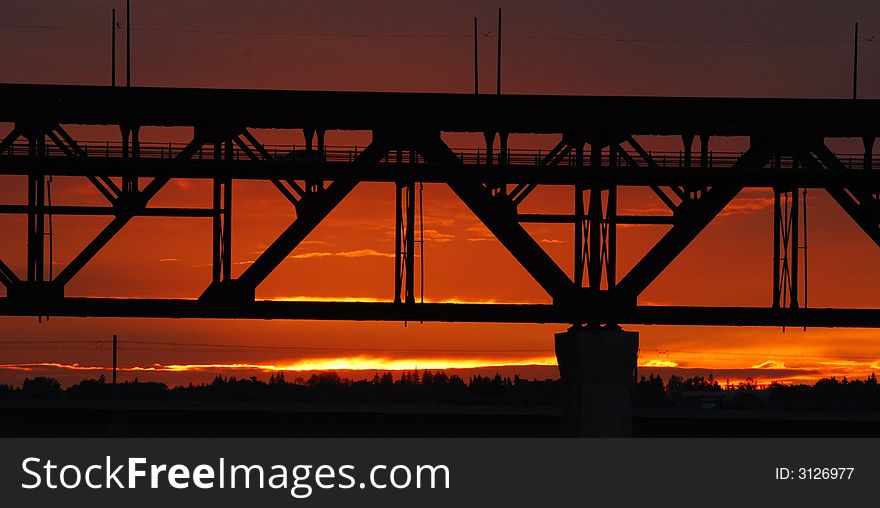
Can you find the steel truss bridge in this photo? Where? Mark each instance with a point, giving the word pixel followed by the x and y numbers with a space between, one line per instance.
pixel 598 151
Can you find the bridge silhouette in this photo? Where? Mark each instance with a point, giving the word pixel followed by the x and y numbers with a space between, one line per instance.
pixel 598 151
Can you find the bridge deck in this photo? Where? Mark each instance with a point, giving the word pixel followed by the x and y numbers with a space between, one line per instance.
pixel 75 104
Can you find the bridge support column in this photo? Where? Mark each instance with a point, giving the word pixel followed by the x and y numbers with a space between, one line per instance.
pixel 597 367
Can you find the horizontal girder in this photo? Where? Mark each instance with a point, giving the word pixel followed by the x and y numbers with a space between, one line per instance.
pixel 444 312
pixel 439 173
pixel 102 105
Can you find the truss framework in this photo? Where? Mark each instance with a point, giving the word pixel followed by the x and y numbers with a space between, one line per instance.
pixel 594 160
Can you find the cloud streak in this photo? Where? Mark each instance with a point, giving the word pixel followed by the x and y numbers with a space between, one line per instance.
pixel 360 253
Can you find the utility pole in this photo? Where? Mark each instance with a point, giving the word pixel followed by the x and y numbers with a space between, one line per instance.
pixel 476 62
pixel 128 43
pixel 114 359
pixel 855 61
pixel 113 51
pixel 498 78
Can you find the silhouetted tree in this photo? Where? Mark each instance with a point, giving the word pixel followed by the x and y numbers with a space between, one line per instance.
pixel 748 385
pixel 41 388
pixel 325 380
pixel 650 388
pixel 699 383
pixel 89 389
pixel 438 387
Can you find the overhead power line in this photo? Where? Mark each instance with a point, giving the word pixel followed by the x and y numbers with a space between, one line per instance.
pixel 246 347
pixel 208 347
pixel 539 37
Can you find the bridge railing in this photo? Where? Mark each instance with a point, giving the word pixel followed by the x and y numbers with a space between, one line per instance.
pixel 470 156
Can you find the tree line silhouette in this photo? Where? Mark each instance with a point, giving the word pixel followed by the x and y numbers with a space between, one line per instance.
pixel 827 394
pixel 407 387
pixel 438 387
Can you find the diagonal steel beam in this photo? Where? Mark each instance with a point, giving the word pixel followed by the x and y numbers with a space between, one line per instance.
pixel 861 206
pixel 110 230
pixel 9 140
pixel 100 184
pixel 691 218
pixel 308 218
pixel 111 185
pixel 191 148
pixel 71 143
pixel 500 218
pixel 7 276
pixel 126 211
pixel 256 144
pixel 312 210
pixel 246 149
pixel 296 187
pixel 858 212
pixel 642 152
pixel 522 191
pixel 285 192
pixel 631 162
pixel 830 160
pixel 682 195
pixel 827 157
pixel 60 144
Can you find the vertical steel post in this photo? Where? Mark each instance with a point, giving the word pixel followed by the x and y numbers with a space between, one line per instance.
pixel 36 217
pixel 867 162
pixel 579 223
pixel 227 217
pixel 855 81
pixel 320 137
pixel 124 129
pixel 404 237
pixel 476 62
pixel 113 51
pixel 594 218
pixel 309 135
pixel 777 255
pixel 115 344
pixel 217 232
pixel 398 242
pixel 40 233
pixel 410 241
pixel 490 148
pixel 704 150
pixel 136 142
pixel 688 141
pixel 227 228
pixel 128 43
pixel 498 78
pixel 611 225
pixel 32 216
pixel 794 247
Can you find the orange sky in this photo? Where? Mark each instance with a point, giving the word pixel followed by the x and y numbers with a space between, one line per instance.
pixel 349 256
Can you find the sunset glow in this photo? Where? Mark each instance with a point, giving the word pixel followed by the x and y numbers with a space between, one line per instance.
pixel 349 257
pixel 330 364
pixel 725 371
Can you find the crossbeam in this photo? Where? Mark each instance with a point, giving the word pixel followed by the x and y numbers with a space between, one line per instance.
pixel 439 172
pixel 597 154
pixel 444 312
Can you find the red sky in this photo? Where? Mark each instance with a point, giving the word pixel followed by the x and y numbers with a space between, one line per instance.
pixel 628 48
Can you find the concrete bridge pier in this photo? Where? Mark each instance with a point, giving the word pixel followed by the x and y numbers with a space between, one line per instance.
pixel 597 367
